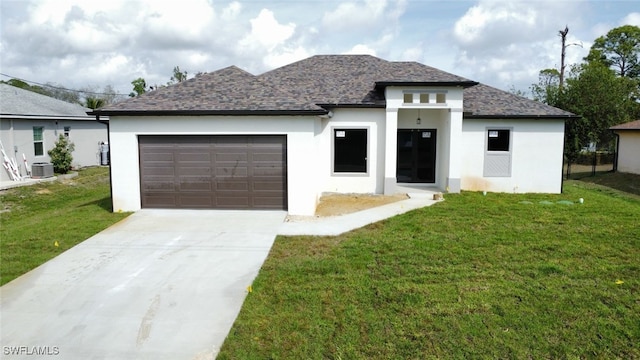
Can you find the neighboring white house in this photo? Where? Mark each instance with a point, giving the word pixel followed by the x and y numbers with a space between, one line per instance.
pixel 329 123
pixel 628 152
pixel 30 124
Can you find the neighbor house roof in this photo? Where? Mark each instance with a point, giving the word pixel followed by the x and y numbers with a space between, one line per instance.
pixel 633 125
pixel 19 103
pixel 317 84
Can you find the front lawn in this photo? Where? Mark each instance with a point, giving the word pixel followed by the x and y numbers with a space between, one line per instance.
pixel 495 276
pixel 41 221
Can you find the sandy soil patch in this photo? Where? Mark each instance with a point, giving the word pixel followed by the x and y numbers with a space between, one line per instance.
pixel 340 204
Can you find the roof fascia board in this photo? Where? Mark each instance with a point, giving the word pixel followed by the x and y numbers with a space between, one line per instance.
pixel 464 84
pixel 208 112
pixel 550 117
pixel 45 117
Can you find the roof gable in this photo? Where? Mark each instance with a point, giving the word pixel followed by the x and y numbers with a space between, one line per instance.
pixel 315 84
pixel 226 90
pixel 633 125
pixel 20 102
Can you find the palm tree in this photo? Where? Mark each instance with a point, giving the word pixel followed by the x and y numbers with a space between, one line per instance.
pixel 94 103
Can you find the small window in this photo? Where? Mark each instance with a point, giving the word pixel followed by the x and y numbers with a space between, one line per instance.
pixel 38 141
pixel 67 131
pixel 350 151
pixel 408 98
pixel 441 98
pixel 424 98
pixel 498 140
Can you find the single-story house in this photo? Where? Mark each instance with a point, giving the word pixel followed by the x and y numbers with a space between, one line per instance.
pixel 628 149
pixel 30 124
pixel 328 123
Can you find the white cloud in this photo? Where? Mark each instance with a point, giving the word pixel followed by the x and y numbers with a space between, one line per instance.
pixel 508 43
pixel 79 42
pixel 361 49
pixel 286 56
pixel 355 15
pixel 631 19
pixel 266 32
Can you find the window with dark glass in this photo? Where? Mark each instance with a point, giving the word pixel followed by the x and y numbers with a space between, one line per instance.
pixel 350 150
pixel 38 141
pixel 498 140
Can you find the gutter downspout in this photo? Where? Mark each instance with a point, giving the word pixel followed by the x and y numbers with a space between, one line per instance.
pixel 110 172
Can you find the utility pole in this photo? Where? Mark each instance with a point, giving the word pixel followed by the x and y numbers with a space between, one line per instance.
pixel 563 35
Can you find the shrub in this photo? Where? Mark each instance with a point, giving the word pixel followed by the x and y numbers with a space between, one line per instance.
pixel 60 155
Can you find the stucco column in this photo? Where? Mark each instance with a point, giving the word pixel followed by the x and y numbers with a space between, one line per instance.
pixel 455 150
pixel 390 146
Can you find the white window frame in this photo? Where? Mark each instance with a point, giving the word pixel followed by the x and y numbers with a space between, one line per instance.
pixel 41 141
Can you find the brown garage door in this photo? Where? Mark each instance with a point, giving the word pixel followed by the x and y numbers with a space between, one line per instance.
pixel 213 172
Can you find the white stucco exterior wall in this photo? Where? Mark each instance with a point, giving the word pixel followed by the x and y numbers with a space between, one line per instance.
pixel 371 182
pixel 536 156
pixel 302 151
pixel 17 134
pixel 629 152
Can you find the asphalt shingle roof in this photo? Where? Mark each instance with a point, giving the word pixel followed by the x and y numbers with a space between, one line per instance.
pixel 15 101
pixel 314 85
pixel 486 101
pixel 633 125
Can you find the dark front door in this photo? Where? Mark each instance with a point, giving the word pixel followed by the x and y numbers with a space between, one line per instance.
pixel 416 162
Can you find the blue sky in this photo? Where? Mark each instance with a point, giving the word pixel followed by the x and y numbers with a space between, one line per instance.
pixel 82 43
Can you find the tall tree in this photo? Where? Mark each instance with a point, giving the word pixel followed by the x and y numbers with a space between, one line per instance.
pixel 547 90
pixel 619 49
pixel 139 87
pixel 178 75
pixel 602 99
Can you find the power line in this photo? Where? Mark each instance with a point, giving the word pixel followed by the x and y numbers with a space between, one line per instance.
pixel 62 88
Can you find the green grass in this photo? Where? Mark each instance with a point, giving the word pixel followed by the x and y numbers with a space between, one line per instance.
pixel 496 276
pixel 625 182
pixel 35 217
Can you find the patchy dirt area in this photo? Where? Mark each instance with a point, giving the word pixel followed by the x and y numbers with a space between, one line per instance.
pixel 340 204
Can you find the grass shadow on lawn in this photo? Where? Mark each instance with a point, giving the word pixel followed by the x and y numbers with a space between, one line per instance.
pixel 496 276
pixel 625 182
pixel 104 203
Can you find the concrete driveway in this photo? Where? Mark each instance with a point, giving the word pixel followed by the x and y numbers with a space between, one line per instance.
pixel 161 284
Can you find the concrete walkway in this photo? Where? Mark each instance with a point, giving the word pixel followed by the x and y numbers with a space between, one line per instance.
pixel 161 284
pixel 336 225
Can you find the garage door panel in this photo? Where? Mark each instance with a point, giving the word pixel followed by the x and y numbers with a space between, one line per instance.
pixel 233 202
pixel 195 186
pixel 232 171
pixel 196 201
pixel 192 170
pixel 158 156
pixel 268 172
pixel 231 157
pixel 227 172
pixel 159 184
pixel 157 200
pixel 232 186
pixel 194 157
pixel 266 185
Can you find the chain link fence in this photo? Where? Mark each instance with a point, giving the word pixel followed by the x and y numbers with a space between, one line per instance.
pixel 589 163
